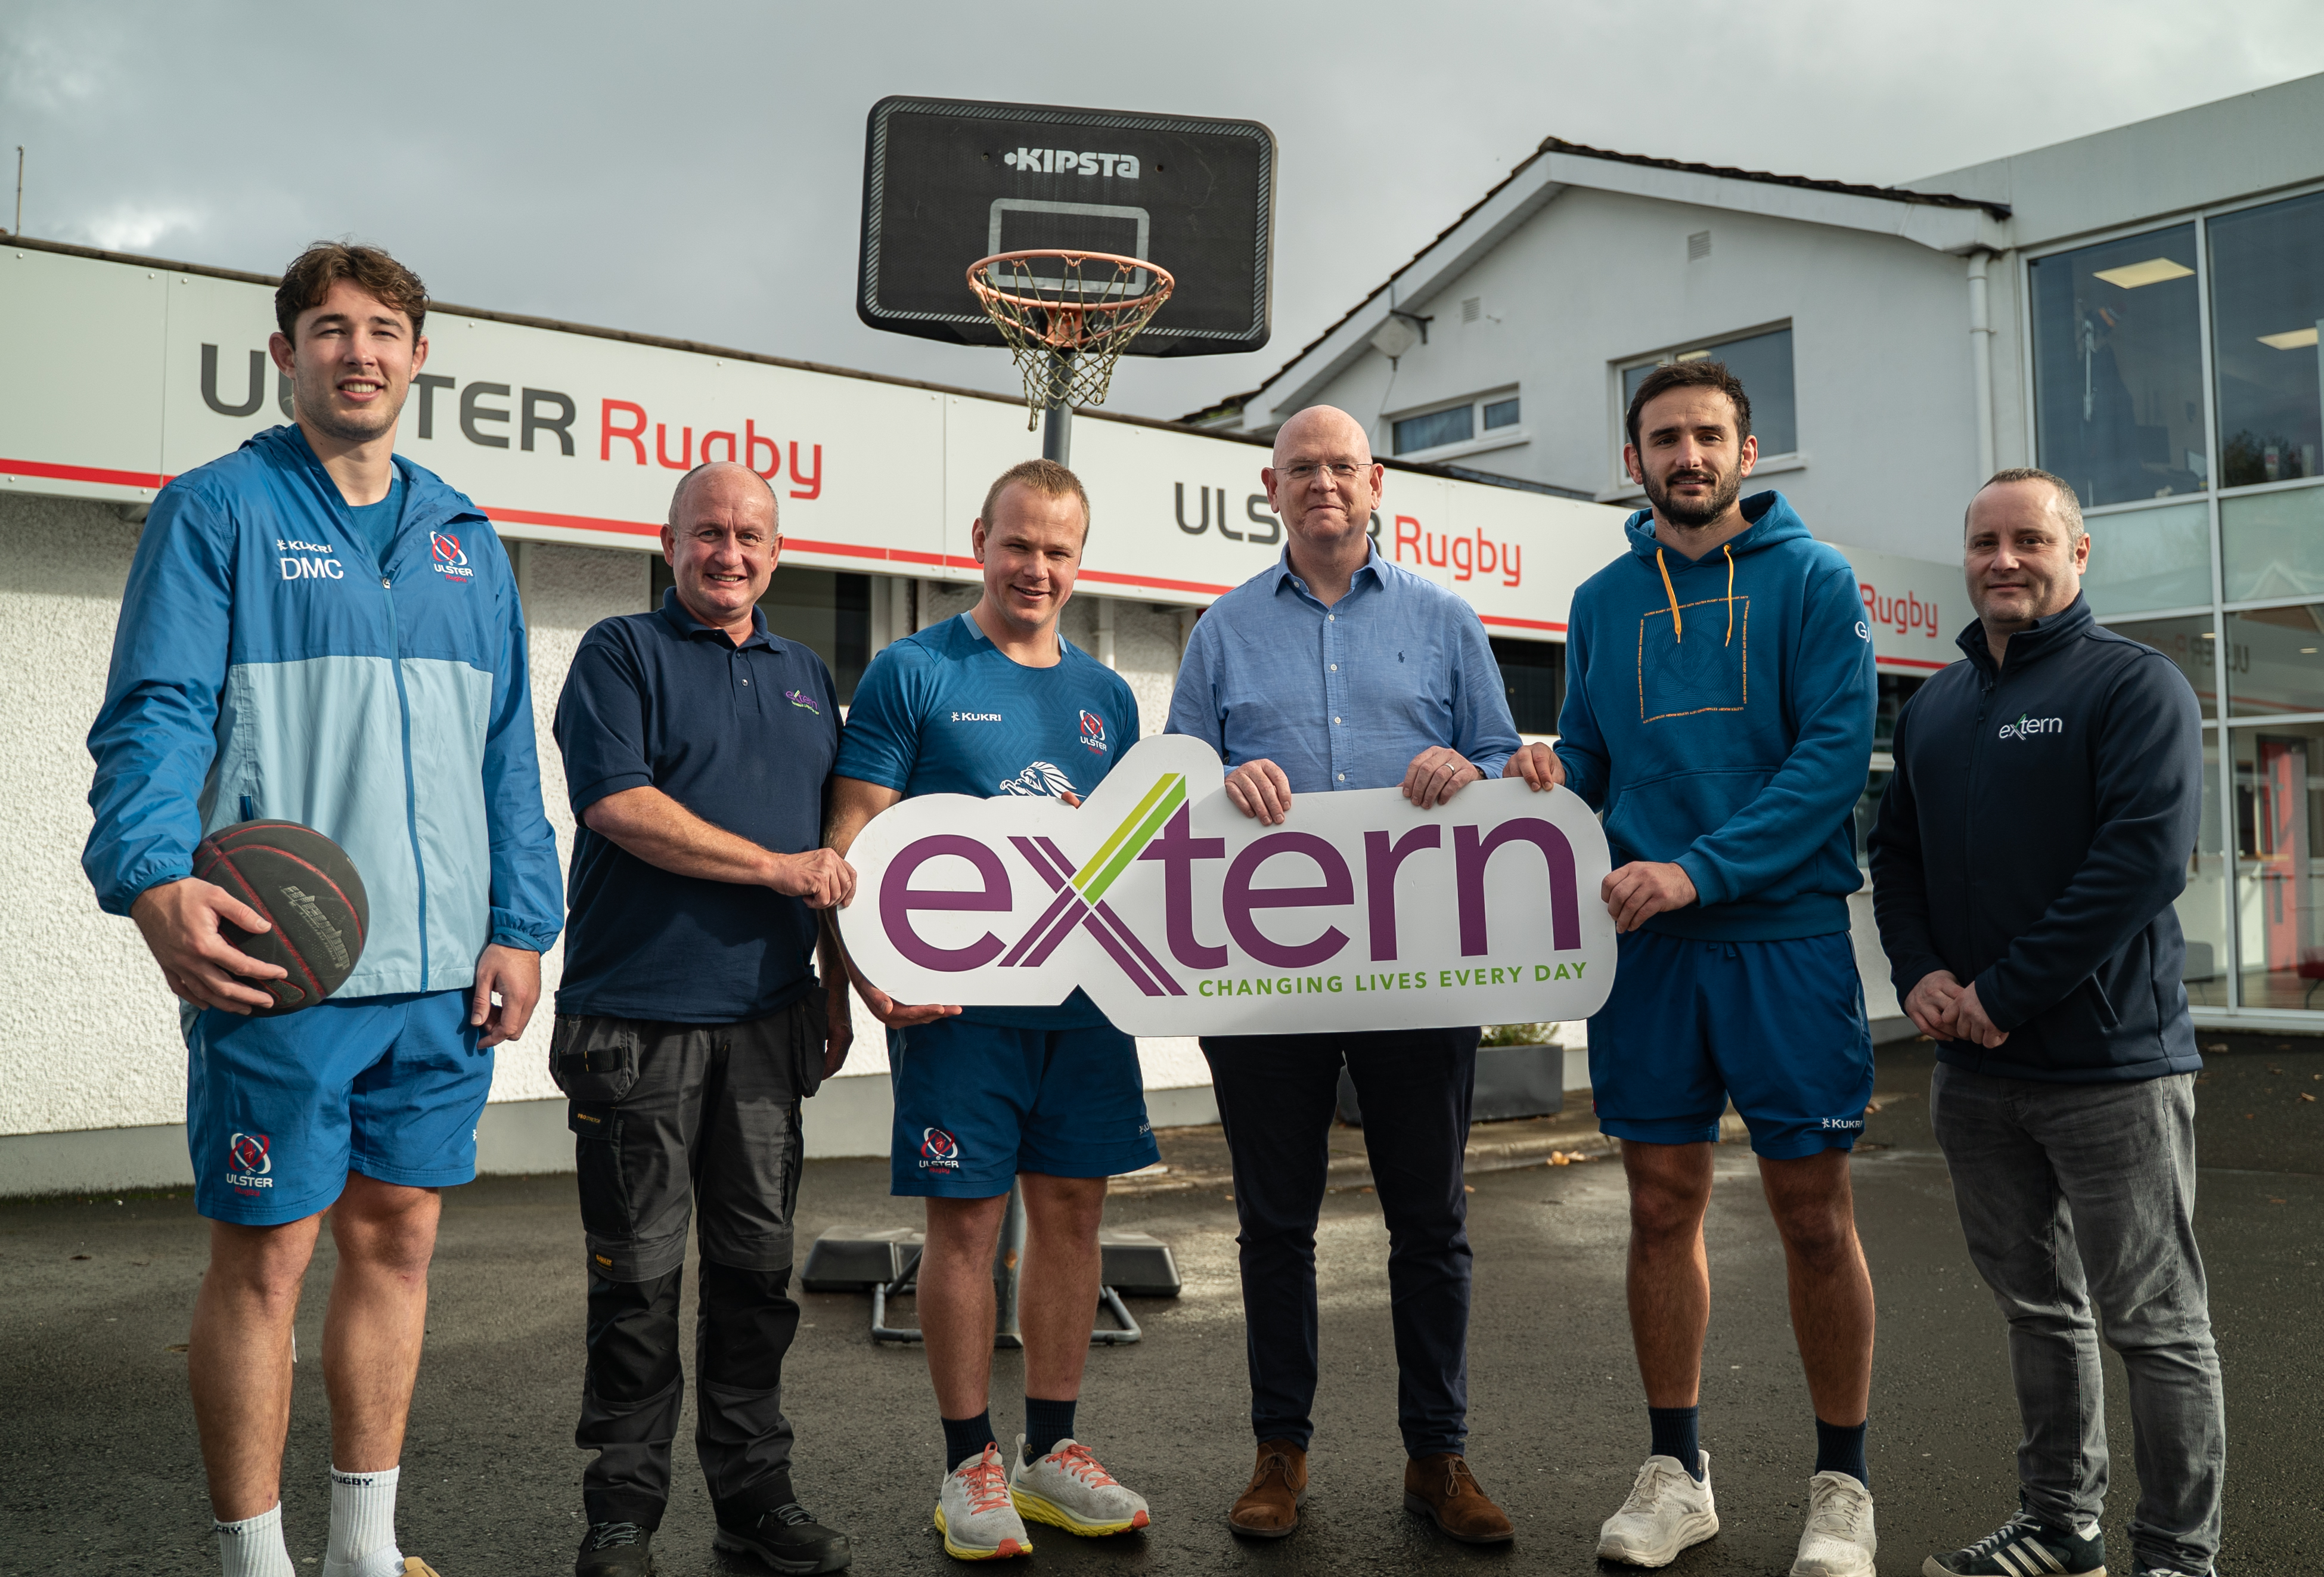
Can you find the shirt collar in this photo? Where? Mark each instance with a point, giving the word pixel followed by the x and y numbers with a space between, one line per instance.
pixel 1285 575
pixel 693 629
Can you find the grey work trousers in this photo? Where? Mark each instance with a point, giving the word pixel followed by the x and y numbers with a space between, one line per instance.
pixel 667 1118
pixel 2075 1195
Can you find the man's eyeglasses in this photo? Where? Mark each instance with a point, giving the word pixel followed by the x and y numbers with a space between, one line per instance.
pixel 1339 470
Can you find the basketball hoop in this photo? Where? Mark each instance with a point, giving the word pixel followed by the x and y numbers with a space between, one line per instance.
pixel 1066 317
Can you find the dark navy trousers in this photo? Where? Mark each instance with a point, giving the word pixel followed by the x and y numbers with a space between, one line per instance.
pixel 1277 1096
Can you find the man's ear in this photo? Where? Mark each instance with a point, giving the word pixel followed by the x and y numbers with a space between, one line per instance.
pixel 976 537
pixel 1631 464
pixel 278 347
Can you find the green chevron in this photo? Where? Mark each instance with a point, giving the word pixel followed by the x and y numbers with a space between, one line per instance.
pixel 1130 839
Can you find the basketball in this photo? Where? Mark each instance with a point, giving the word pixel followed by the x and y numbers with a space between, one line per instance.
pixel 308 890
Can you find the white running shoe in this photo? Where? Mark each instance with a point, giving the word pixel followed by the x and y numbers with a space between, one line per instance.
pixel 1839 1541
pixel 1067 1489
pixel 974 1513
pixel 1666 1512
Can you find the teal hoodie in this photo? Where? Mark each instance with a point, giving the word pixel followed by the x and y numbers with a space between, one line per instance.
pixel 1718 714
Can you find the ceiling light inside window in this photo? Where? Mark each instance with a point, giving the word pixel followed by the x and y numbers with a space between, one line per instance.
pixel 2152 272
pixel 2292 340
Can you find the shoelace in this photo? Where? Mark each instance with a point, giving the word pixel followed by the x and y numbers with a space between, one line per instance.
pixel 791 1514
pixel 1274 1464
pixel 1076 1458
pixel 613 1535
pixel 1646 1493
pixel 2019 1525
pixel 1849 1520
pixel 1455 1471
pixel 986 1483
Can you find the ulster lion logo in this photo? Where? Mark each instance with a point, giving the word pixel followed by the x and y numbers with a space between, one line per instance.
pixel 1041 777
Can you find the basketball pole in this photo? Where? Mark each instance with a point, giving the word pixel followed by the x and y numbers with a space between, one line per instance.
pixel 1057 428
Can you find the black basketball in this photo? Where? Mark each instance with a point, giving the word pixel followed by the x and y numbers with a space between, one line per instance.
pixel 308 890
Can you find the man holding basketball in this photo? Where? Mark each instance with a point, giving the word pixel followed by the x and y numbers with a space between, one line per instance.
pixel 317 630
pixel 995 701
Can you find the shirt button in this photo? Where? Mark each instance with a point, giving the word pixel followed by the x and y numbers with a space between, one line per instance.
pixel 1344 777
pixel 385 582
pixel 1335 722
pixel 1335 667
pixel 746 681
pixel 1331 618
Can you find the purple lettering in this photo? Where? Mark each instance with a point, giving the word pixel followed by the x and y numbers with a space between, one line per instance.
pixel 1338 887
pixel 898 897
pixel 1177 848
pixel 1469 853
pixel 1381 858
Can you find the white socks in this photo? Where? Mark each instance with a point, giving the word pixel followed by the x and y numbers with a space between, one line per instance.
pixel 362 1526
pixel 254 1547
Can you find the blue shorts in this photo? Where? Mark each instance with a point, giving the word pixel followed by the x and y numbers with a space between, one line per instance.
pixel 279 1111
pixel 1778 1027
pixel 978 1104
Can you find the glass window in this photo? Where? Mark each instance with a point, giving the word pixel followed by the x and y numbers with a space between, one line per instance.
pixel 1501 414
pixel 2279 818
pixel 2149 558
pixel 2187 642
pixel 2267 296
pixel 1453 426
pixel 2118 368
pixel 2272 544
pixel 2275 661
pixel 1763 361
pixel 825 611
pixel 1896 689
pixel 1868 813
pixel 1533 677
pixel 2202 904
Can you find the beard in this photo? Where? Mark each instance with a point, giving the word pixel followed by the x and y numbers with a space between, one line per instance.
pixel 1724 491
pixel 351 427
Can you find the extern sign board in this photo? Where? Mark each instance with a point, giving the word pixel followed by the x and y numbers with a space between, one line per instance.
pixel 1179 915
pixel 123 373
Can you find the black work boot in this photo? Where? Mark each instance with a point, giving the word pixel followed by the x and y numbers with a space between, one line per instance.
pixel 615 1549
pixel 786 1538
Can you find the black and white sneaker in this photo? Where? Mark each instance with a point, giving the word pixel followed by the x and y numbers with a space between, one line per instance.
pixel 615 1549
pixel 2026 1546
pixel 788 1538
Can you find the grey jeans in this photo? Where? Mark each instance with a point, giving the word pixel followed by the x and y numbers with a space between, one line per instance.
pixel 2075 1195
pixel 679 1123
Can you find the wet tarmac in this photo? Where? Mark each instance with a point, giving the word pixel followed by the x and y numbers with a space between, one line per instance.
pixel 99 1471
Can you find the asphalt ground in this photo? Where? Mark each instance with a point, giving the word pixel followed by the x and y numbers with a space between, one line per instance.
pixel 99 1471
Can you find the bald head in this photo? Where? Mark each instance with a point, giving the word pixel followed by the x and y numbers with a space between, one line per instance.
pixel 732 483
pixel 1323 427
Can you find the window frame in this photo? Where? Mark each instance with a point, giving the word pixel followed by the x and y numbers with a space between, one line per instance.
pixel 1794 458
pixel 1480 438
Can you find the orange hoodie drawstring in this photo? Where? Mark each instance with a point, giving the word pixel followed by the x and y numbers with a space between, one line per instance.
pixel 1678 625
pixel 1730 592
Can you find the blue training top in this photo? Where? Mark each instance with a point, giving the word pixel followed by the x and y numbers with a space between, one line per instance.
pixel 944 712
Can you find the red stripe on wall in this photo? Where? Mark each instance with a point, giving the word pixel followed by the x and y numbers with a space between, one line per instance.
pixel 1908 662
pixel 82 474
pixel 1519 623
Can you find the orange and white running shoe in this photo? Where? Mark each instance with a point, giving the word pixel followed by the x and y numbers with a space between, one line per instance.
pixel 1068 1488
pixel 975 1513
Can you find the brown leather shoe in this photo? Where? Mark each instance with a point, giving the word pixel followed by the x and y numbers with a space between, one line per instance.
pixel 1268 1507
pixel 1442 1488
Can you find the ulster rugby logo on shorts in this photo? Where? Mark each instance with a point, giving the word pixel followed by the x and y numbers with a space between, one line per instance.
pixel 1093 731
pixel 448 558
pixel 252 1163
pixel 938 1150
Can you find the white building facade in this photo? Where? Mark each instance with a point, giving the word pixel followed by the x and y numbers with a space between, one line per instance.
pixel 2137 311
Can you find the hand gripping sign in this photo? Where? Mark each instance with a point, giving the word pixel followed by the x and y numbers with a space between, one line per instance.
pixel 1181 916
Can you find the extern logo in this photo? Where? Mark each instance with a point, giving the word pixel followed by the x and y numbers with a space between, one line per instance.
pixel 252 1163
pixel 2027 727
pixel 447 558
pixel 304 906
pixel 1066 161
pixel 799 698
pixel 1093 731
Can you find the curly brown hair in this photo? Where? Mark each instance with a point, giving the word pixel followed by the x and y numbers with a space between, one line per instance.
pixel 307 282
pixel 1698 373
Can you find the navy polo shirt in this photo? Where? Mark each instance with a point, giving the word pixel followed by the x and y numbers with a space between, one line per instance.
pixel 743 736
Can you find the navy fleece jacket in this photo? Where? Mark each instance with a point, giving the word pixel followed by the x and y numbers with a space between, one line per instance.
pixel 1722 719
pixel 2033 840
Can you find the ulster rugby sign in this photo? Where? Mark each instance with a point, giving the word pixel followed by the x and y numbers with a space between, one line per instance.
pixel 1181 916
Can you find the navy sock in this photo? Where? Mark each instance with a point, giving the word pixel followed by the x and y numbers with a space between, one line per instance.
pixel 966 1437
pixel 1841 1450
pixel 1045 1424
pixel 1678 1433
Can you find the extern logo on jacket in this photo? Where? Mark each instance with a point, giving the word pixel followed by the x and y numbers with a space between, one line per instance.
pixel 448 558
pixel 2027 727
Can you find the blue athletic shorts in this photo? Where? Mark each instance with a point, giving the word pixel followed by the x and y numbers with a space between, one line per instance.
pixel 279 1111
pixel 1778 1027
pixel 978 1104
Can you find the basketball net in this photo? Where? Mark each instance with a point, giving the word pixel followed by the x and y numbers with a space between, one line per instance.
pixel 1066 317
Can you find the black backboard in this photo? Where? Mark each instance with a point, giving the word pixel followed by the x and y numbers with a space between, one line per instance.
pixel 947 181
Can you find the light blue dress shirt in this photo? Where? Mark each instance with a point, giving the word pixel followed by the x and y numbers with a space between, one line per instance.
pixel 1343 697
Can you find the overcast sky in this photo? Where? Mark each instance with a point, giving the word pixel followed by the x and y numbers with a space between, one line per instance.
pixel 695 169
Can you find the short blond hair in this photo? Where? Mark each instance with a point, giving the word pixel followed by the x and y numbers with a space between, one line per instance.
pixel 1046 477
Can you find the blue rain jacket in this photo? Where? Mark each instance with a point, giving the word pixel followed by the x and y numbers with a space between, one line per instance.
pixel 267 665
